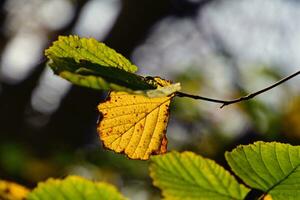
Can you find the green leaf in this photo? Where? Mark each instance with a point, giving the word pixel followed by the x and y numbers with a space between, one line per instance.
pixel 88 49
pixel 270 167
pixel 89 63
pixel 95 76
pixel 190 176
pixel 74 188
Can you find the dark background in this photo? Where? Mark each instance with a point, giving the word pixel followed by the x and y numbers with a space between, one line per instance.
pixel 216 48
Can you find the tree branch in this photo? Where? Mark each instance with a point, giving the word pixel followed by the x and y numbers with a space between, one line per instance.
pixel 243 98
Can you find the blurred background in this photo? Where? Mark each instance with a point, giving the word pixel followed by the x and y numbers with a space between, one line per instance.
pixel 215 48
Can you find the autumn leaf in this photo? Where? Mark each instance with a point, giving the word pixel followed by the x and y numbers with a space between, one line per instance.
pixel 12 191
pixel 135 124
pixel 142 102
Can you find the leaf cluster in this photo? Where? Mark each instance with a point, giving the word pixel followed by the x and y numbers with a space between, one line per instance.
pixel 133 121
pixel 272 169
pixel 72 187
pixel 269 170
pixel 135 115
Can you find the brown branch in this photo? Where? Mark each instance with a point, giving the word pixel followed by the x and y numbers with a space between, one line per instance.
pixel 243 98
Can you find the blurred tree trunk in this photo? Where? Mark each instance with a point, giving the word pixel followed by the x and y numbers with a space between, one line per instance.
pixel 15 99
pixel 134 23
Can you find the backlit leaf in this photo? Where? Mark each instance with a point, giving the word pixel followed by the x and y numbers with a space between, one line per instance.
pixel 268 197
pixel 135 124
pixel 192 177
pixel 87 62
pixel 88 49
pixel 270 167
pixel 12 191
pixel 75 188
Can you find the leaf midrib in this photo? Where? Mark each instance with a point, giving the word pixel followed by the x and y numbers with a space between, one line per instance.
pixel 280 181
pixel 144 117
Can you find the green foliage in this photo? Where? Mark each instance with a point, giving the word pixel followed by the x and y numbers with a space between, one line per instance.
pixel 74 187
pixel 270 167
pixel 190 176
pixel 89 63
pixel 88 49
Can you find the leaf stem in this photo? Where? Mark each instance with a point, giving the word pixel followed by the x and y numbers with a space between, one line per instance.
pixel 243 98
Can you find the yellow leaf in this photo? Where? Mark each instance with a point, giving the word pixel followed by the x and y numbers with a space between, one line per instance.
pixel 268 197
pixel 12 191
pixel 134 124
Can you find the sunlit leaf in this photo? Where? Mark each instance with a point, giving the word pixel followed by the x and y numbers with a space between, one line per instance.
pixel 75 188
pixel 87 62
pixel 135 124
pixel 88 49
pixel 267 197
pixel 12 191
pixel 192 177
pixel 270 167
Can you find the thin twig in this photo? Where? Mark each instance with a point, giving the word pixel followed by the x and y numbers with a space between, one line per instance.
pixel 243 98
